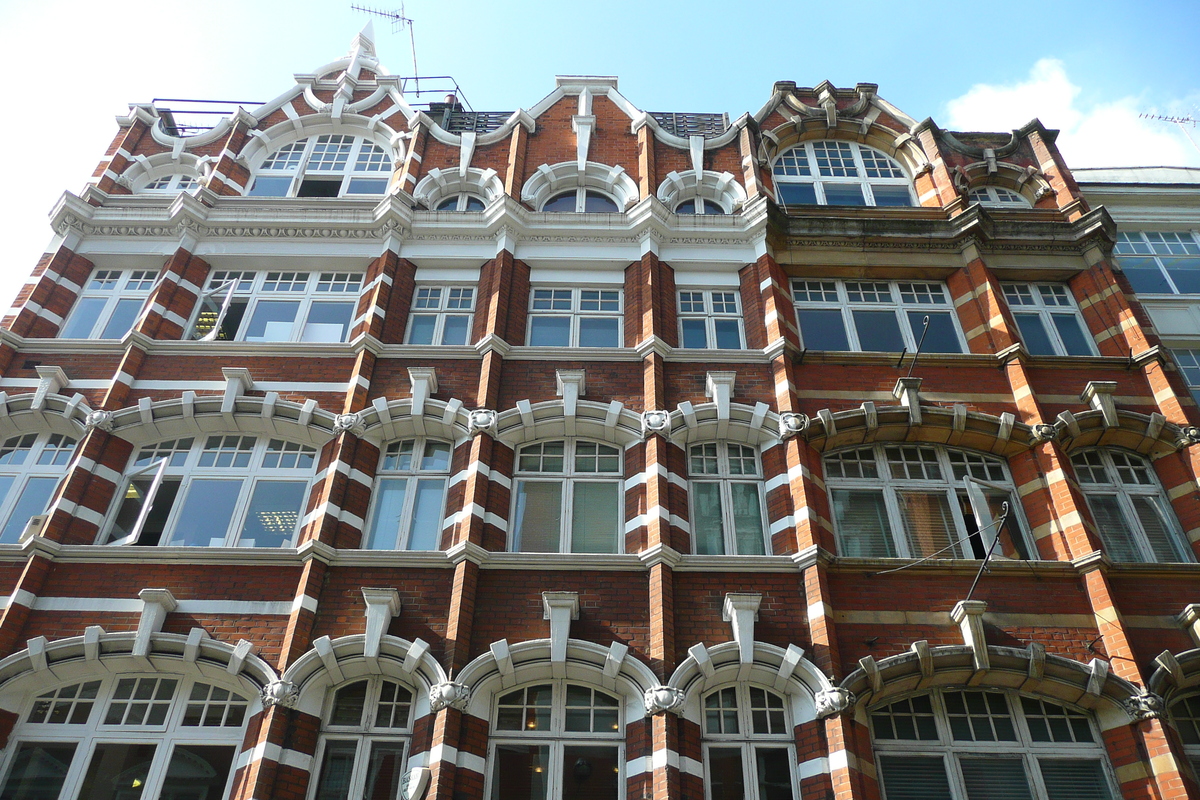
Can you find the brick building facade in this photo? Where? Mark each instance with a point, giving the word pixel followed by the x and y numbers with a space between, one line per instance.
pixel 586 452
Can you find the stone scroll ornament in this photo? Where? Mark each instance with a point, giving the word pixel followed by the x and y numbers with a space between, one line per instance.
pixel 1044 433
pixel 349 423
pixel 660 699
pixel 284 694
pixel 449 694
pixel 655 422
pixel 481 420
pixel 791 424
pixel 1188 436
pixel 1145 705
pixel 100 420
pixel 834 700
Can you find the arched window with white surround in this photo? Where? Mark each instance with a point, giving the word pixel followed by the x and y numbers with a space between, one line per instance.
pixel 31 466
pixel 365 741
pixel 554 741
pixel 581 200
pixel 569 498
pixel 1133 517
pixel 329 165
pixel 698 205
pixel 727 507
pixel 998 197
pixel 839 173
pixel 410 496
pixel 463 201
pixel 1185 714
pixel 219 490
pixel 125 737
pixel 962 744
pixel 915 501
pixel 748 745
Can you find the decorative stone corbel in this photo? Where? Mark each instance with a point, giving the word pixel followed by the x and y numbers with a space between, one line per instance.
pixel 1187 437
pixel 791 424
pixel 156 604
pixel 968 615
pixel 449 694
pixel 660 699
pixel 834 700
pixel 424 383
pixel 560 608
pixel 280 693
pixel 237 382
pixel 1189 620
pixel 741 610
pixel 570 385
pixel 655 422
pixel 50 381
pixel 99 419
pixel 382 607
pixel 1042 432
pixel 719 387
pixel 908 392
pixel 1145 705
pixel 351 423
pixel 1099 395
pixel 481 420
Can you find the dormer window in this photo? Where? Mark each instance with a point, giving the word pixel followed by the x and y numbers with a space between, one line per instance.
pixel 331 165
pixel 998 197
pixel 581 200
pixel 836 173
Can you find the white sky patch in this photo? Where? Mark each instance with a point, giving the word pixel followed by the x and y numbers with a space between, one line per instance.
pixel 1108 134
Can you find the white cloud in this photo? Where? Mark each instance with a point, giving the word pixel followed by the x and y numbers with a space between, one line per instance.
pixel 1109 134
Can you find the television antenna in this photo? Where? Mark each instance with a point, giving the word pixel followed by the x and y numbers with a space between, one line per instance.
pixel 399 22
pixel 1183 122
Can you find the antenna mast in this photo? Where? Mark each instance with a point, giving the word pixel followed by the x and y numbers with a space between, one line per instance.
pixel 1183 122
pixel 399 23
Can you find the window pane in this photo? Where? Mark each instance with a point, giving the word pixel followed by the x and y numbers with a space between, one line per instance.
pixel 367 186
pixel 602 332
pixel 891 195
pixel 389 506
pixel 38 771
pixel 725 774
pixel 348 704
pixel 206 513
pixel 197 771
pixel 862 524
pixel 1185 272
pixel 538 517
pixel 272 321
pixel 328 322
pixel 385 771
pixel 694 334
pixel 1076 341
pixel 426 533
pixel 33 501
pixel 563 202
pixel 878 330
pixel 1114 528
pixel 550 332
pixel 122 318
pixel 798 194
pixel 595 202
pixel 337 767
pixel 747 519
pixel 707 524
pixel 595 518
pixel 270 187
pixel 1150 514
pixel 131 507
pixel 87 311
pixel 774 773
pixel 1074 779
pixel 823 328
pixel 941 338
pixel 928 523
pixel 590 772
pixel 117 772
pixel 454 329
pixel 421 331
pixel 729 334
pixel 914 778
pixel 522 772
pixel 844 194
pixel 1034 335
pixel 274 513
pixel 995 778
pixel 1144 275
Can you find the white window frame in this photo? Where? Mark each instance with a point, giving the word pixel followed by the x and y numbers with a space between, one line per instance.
pixel 974 490
pixel 1185 715
pixel 1126 492
pixel 107 289
pixel 171 184
pixel 581 193
pixel 364 735
pixel 725 478
pixel 182 466
pixel 705 204
pixel 577 298
pixel 35 447
pixel 569 477
pixel 461 201
pixel 949 749
pixel 1039 303
pixel 709 315
pixel 780 171
pixel 1155 246
pixel 998 197
pixel 557 737
pixel 171 733
pixel 895 304
pixel 412 476
pixel 747 741
pixel 1187 360
pixel 251 289
pixel 309 166
pixel 440 311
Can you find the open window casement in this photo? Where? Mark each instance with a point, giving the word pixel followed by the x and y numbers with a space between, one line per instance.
pixel 992 520
pixel 215 320
pixel 141 492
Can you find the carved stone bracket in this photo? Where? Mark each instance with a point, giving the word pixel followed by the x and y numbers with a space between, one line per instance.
pixel 349 423
pixel 834 700
pixel 660 699
pixel 449 694
pixel 1188 436
pixel 1146 705
pixel 655 422
pixel 1044 433
pixel 280 693
pixel 100 420
pixel 791 424
pixel 481 420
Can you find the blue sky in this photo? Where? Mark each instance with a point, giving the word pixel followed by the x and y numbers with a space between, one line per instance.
pixel 1088 68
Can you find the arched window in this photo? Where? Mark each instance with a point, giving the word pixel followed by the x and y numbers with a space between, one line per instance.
pixel 214 491
pixel 364 741
pixel 31 465
pixel 555 741
pixel 1132 515
pixel 726 492
pixel 127 736
pixel 580 200
pixel 748 750
pixel 699 206
pixel 1185 713
pixel 409 496
pixel 330 165
pixel 962 744
pixel 568 498
pixel 462 202
pixel 171 184
pixel 836 173
pixel 998 197
pixel 912 501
